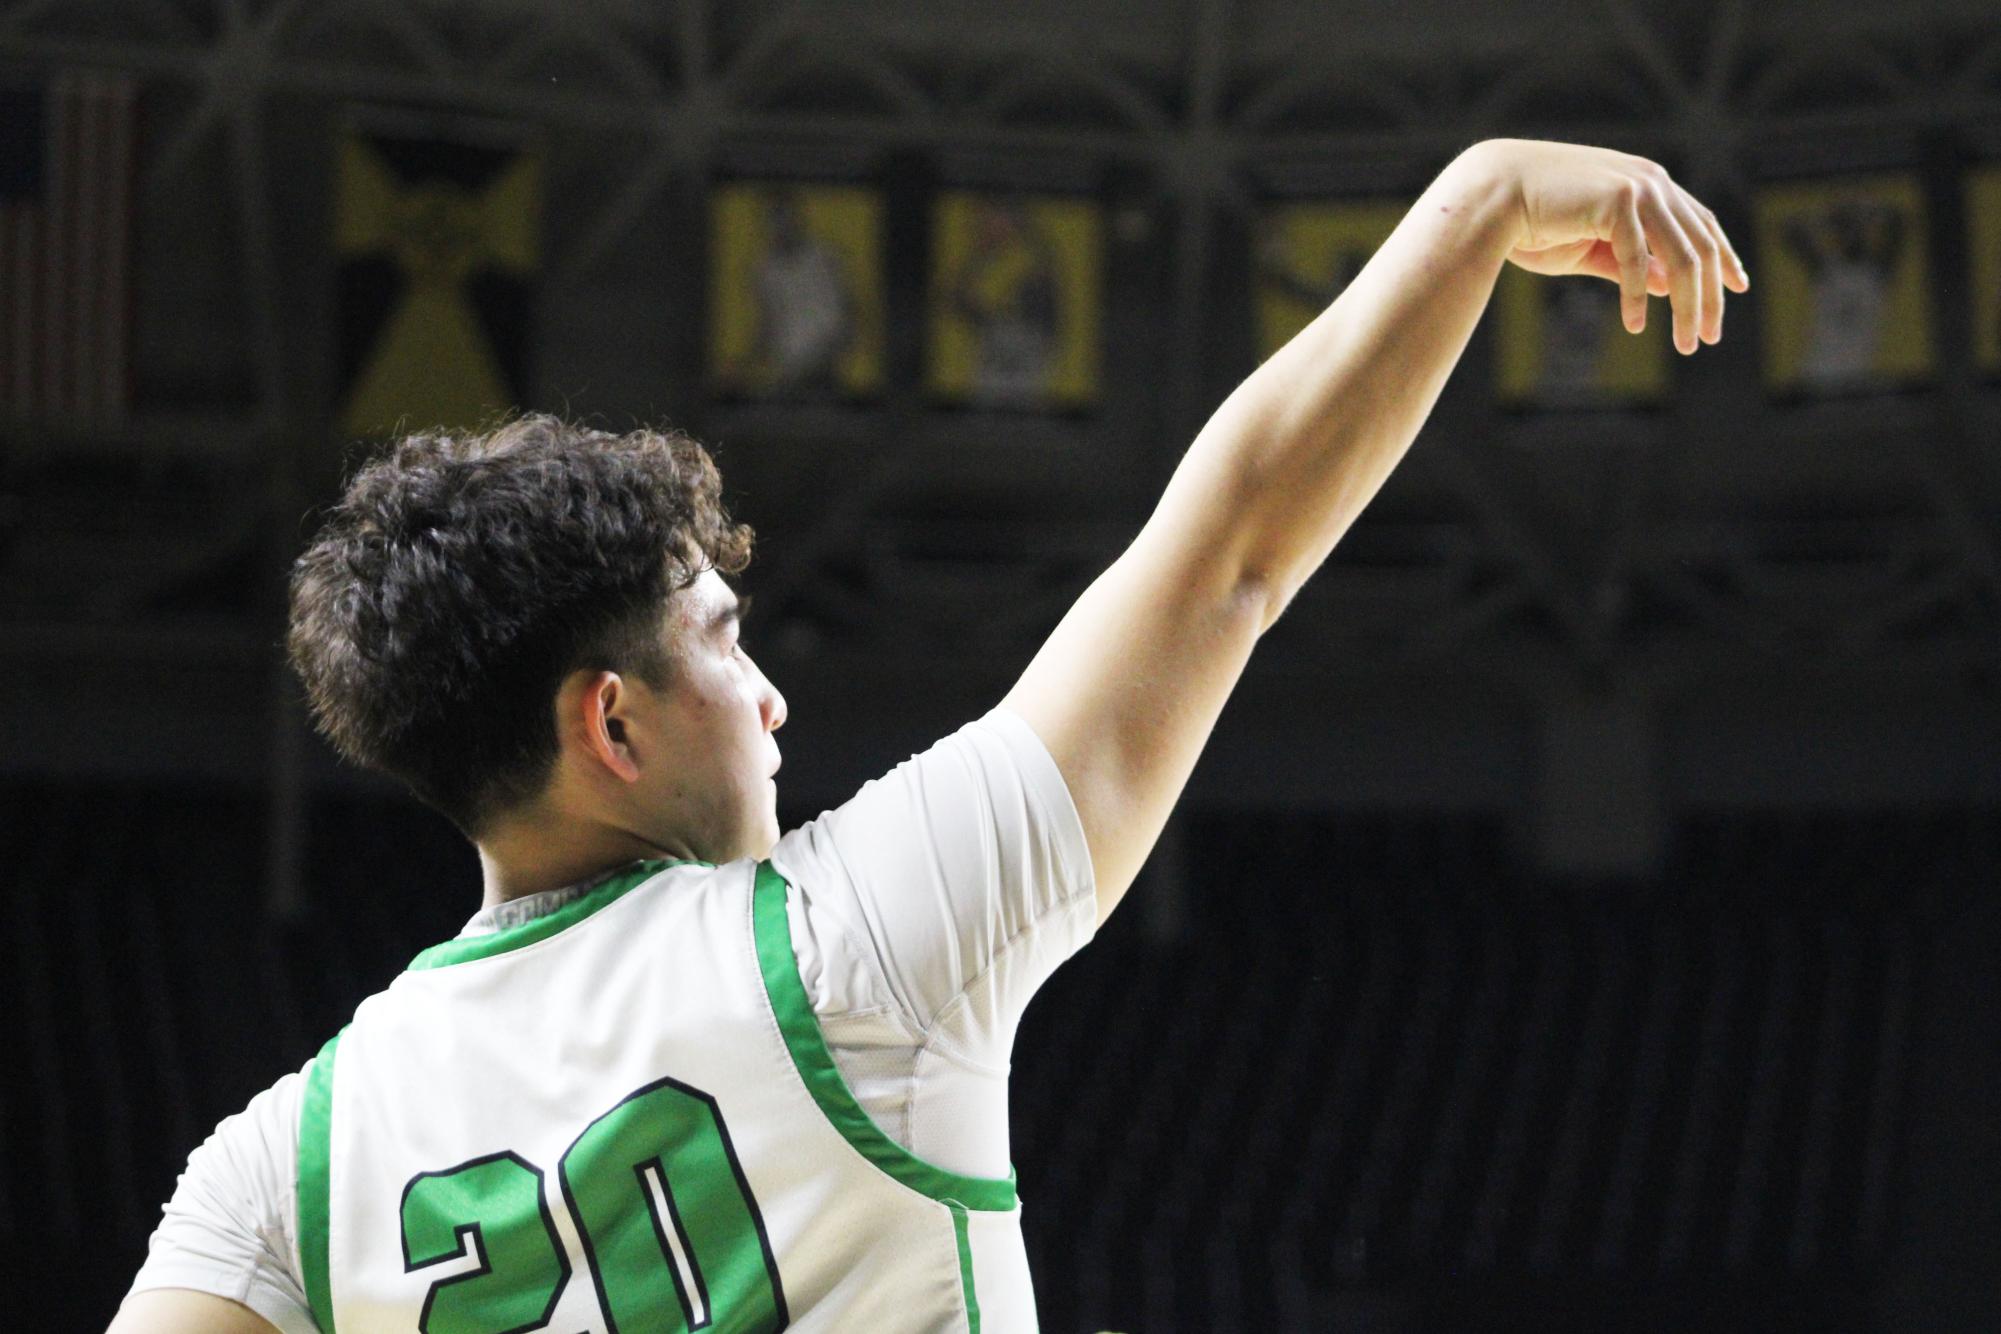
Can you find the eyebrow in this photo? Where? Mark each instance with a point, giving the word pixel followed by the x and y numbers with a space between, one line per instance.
pixel 735 610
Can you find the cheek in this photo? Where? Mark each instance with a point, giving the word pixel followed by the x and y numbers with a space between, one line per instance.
pixel 720 703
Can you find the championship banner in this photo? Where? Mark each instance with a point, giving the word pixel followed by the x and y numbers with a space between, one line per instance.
pixel 1983 253
pixel 1842 270
pixel 1561 342
pixel 437 233
pixel 1016 292
pixel 66 214
pixel 1307 254
pixel 796 290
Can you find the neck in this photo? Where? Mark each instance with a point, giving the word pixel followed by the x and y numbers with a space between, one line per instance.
pixel 529 858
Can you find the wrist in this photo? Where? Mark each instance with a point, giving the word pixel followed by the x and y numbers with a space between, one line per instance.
pixel 1482 188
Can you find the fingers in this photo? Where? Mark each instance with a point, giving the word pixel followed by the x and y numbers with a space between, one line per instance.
pixel 1720 265
pixel 1629 247
pixel 1667 237
pixel 1710 250
pixel 1735 275
pixel 1663 241
pixel 1699 258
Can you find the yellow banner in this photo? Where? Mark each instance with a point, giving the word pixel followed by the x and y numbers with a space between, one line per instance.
pixel 1561 343
pixel 1983 248
pixel 438 242
pixel 1843 270
pixel 796 304
pixel 1307 253
pixel 1016 301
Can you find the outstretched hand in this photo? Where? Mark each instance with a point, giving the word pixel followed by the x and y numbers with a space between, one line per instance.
pixel 1622 218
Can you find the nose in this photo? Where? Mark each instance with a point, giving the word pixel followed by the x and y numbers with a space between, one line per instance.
pixel 772 705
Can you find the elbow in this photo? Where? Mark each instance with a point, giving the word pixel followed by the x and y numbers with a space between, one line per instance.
pixel 1262 595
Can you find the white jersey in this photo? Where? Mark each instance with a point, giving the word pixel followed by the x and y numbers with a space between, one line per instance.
pixel 622 1112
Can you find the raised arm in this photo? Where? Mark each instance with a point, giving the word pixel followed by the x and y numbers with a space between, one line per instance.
pixel 1128 687
pixel 173 1311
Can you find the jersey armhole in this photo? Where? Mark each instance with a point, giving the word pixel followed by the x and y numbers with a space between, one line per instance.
pixel 800 1029
pixel 315 1183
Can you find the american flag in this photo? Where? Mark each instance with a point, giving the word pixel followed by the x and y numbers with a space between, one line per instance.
pixel 66 180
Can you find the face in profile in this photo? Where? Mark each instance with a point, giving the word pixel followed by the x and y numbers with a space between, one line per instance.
pixel 704 746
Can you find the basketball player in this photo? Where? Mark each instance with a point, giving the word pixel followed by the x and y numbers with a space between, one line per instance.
pixel 683 1072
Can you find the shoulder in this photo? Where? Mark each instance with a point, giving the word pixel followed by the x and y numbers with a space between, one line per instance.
pixel 260 1144
pixel 229 1229
pixel 976 804
pixel 927 872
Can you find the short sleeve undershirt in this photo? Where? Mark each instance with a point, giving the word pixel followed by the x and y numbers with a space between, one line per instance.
pixel 925 912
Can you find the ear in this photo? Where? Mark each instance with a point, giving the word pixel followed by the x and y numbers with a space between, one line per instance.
pixel 603 711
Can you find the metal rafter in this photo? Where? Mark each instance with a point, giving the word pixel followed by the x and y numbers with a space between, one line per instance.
pixel 684 81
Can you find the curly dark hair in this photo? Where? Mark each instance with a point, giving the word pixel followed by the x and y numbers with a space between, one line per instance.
pixel 461 578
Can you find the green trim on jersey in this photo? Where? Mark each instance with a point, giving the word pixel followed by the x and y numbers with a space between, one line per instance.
pixel 315 1152
pixel 965 1265
pixel 467 948
pixel 823 1078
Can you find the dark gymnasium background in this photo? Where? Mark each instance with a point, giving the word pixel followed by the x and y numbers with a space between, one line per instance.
pixel 1585 916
